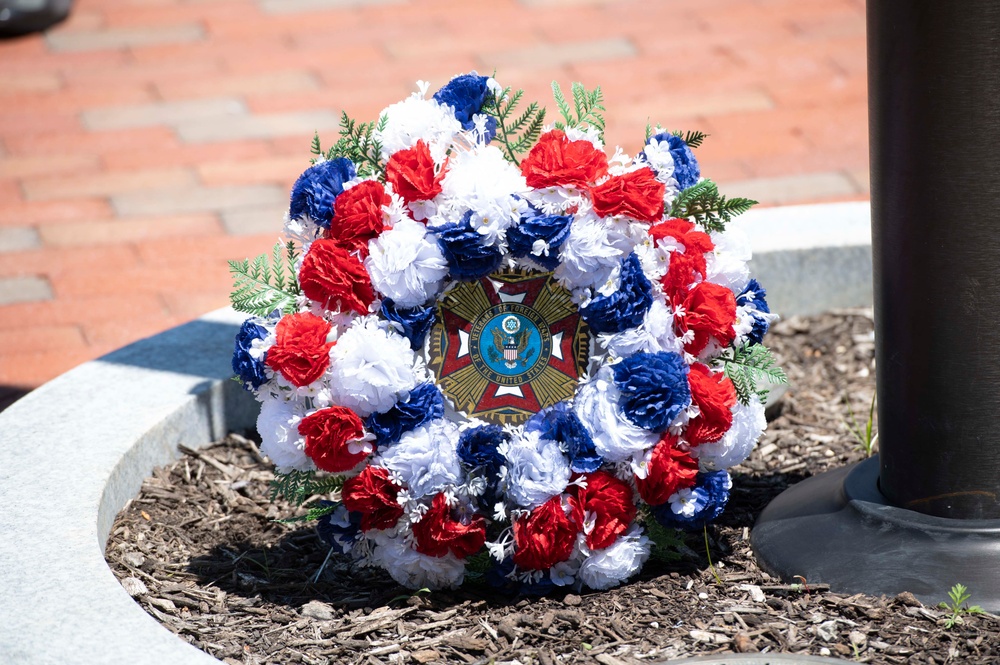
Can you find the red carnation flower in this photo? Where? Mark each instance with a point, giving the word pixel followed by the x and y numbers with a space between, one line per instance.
pixel 330 273
pixel 609 500
pixel 301 353
pixel 637 194
pixel 437 533
pixel 685 267
pixel 411 174
pixel 328 433
pixel 372 494
pixel 709 311
pixel 546 536
pixel 714 395
pixel 669 470
pixel 555 161
pixel 357 216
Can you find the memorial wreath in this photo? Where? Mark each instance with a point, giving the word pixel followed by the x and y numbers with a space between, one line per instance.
pixel 501 349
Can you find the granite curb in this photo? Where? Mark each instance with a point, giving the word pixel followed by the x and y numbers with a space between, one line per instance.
pixel 75 450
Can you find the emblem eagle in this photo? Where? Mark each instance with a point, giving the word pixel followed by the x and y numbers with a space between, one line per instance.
pixel 511 342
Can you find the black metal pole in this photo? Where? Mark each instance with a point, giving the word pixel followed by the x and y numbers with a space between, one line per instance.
pixel 925 513
pixel 934 100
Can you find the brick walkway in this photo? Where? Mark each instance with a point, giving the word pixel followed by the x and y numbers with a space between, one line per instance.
pixel 144 142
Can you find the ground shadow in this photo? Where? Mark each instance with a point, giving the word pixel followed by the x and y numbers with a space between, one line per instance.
pixel 300 568
pixel 10 394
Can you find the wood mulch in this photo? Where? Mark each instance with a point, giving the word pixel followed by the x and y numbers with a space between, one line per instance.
pixel 199 550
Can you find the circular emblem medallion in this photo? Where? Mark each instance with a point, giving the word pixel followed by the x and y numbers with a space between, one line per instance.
pixel 508 345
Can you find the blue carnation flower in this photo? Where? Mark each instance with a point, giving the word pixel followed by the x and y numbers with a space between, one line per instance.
pixel 553 229
pixel 413 322
pixel 753 298
pixel 479 447
pixel 468 258
pixel 340 529
pixel 425 403
pixel 686 169
pixel 559 423
pixel 497 577
pixel 250 371
pixel 654 388
pixel 709 496
pixel 314 192
pixel 625 308
pixel 466 94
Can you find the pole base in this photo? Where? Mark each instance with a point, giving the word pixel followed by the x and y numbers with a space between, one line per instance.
pixel 837 528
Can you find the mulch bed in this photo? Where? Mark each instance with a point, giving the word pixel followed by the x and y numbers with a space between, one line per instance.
pixel 199 550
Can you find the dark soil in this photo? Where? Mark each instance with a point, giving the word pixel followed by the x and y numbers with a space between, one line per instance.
pixel 201 552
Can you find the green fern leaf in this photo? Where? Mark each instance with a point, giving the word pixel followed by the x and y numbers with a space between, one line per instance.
pixel 703 204
pixel 750 366
pixel 264 285
pixel 561 104
pixel 297 486
pixel 515 134
pixel 667 543
pixel 693 139
pixel 313 513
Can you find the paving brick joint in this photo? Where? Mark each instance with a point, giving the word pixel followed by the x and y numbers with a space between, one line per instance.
pixel 143 144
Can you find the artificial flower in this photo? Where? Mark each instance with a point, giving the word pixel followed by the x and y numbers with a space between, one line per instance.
pixel 372 368
pixel 425 459
pixel 607 507
pixel 423 404
pixel 301 353
pixel 547 535
pixel 616 438
pixel 708 313
pixel 373 495
pixel 413 174
pixel 653 388
pixel 557 161
pixel 335 439
pixel 405 265
pixel 248 358
pixel 314 192
pixel 358 216
pixel 665 470
pixel 333 277
pixel 610 567
pixel 438 533
pixel 636 194
pixel 714 395
pixel 536 469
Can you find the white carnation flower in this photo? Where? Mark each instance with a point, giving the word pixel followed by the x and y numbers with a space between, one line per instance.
pixel 415 119
pixel 727 263
pixel 591 134
pixel 278 425
pixel 415 570
pixel 659 158
pixel 371 368
pixel 406 265
pixel 615 437
pixel 482 181
pixel 537 470
pixel 591 252
pixel 613 565
pixel 736 444
pixel 426 458
pixel 656 333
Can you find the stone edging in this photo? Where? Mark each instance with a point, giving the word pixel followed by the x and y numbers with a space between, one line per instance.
pixel 75 450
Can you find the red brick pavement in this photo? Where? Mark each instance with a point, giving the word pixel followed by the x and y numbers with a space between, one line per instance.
pixel 143 142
